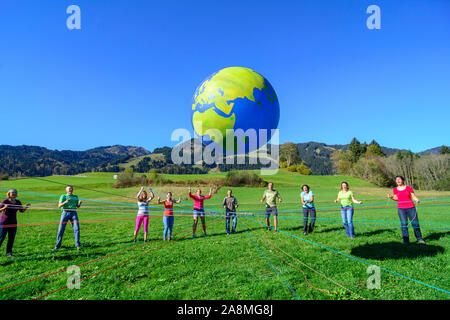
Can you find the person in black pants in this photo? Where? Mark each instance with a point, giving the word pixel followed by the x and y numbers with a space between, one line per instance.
pixel 8 219
pixel 307 199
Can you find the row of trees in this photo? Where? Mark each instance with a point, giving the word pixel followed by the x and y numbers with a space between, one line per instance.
pixel 236 178
pixel 128 178
pixel 368 161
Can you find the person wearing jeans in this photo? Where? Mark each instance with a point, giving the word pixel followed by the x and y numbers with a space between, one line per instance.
pixel 307 199
pixel 347 218
pixel 346 199
pixel 8 219
pixel 230 204
pixel 68 203
pixel 168 217
pixel 404 195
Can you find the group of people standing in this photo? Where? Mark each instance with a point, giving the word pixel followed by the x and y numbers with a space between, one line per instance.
pixel 69 203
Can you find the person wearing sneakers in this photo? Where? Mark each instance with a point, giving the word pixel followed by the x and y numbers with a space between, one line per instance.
pixel 68 203
pixel 8 219
pixel 404 195
pixel 270 197
pixel 199 210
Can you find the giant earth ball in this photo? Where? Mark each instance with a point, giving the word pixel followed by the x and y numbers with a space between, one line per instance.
pixel 235 98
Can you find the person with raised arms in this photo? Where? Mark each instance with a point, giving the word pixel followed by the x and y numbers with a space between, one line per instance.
pixel 199 210
pixel 168 217
pixel 143 200
pixel 68 203
pixel 230 204
pixel 270 197
pixel 346 198
pixel 307 200
pixel 8 219
pixel 404 195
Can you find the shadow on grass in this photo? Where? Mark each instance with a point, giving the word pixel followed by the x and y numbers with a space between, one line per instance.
pixel 292 228
pixel 375 232
pixel 199 234
pixel 437 235
pixel 7 262
pixel 395 250
pixel 329 229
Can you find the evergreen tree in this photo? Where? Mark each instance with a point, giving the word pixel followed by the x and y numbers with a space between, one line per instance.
pixel 445 150
pixel 356 150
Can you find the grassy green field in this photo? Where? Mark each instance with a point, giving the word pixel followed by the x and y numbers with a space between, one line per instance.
pixel 251 264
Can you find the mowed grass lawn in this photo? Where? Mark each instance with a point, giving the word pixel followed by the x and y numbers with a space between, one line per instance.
pixel 252 264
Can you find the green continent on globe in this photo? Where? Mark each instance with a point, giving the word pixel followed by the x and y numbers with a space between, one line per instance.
pixel 215 98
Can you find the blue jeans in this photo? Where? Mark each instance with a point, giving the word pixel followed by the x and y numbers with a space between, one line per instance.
pixel 410 213
pixel 11 232
pixel 168 225
pixel 230 215
pixel 347 218
pixel 306 212
pixel 67 216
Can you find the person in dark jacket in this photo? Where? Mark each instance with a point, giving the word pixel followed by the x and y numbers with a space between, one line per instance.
pixel 8 219
pixel 230 204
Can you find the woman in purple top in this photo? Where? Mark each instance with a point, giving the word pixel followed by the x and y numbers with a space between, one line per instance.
pixel 8 219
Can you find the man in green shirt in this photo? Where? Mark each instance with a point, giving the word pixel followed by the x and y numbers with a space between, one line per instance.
pixel 270 199
pixel 68 203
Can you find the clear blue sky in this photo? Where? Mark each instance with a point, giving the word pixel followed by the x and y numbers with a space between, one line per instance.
pixel 128 76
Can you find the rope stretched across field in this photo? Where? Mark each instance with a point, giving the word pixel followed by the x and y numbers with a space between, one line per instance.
pixel 111 267
pixel 294 210
pixel 354 258
pixel 309 267
pixel 88 262
pixel 270 263
pixel 119 207
pixel 55 254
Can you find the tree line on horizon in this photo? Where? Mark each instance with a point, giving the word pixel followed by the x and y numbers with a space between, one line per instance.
pixel 369 162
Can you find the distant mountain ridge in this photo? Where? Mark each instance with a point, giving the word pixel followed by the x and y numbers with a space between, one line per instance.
pixel 39 161
pixel 27 160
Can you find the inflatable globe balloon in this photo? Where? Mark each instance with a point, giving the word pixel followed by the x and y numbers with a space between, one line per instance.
pixel 231 99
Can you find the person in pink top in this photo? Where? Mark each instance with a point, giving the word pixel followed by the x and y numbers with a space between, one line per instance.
pixel 404 195
pixel 199 210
